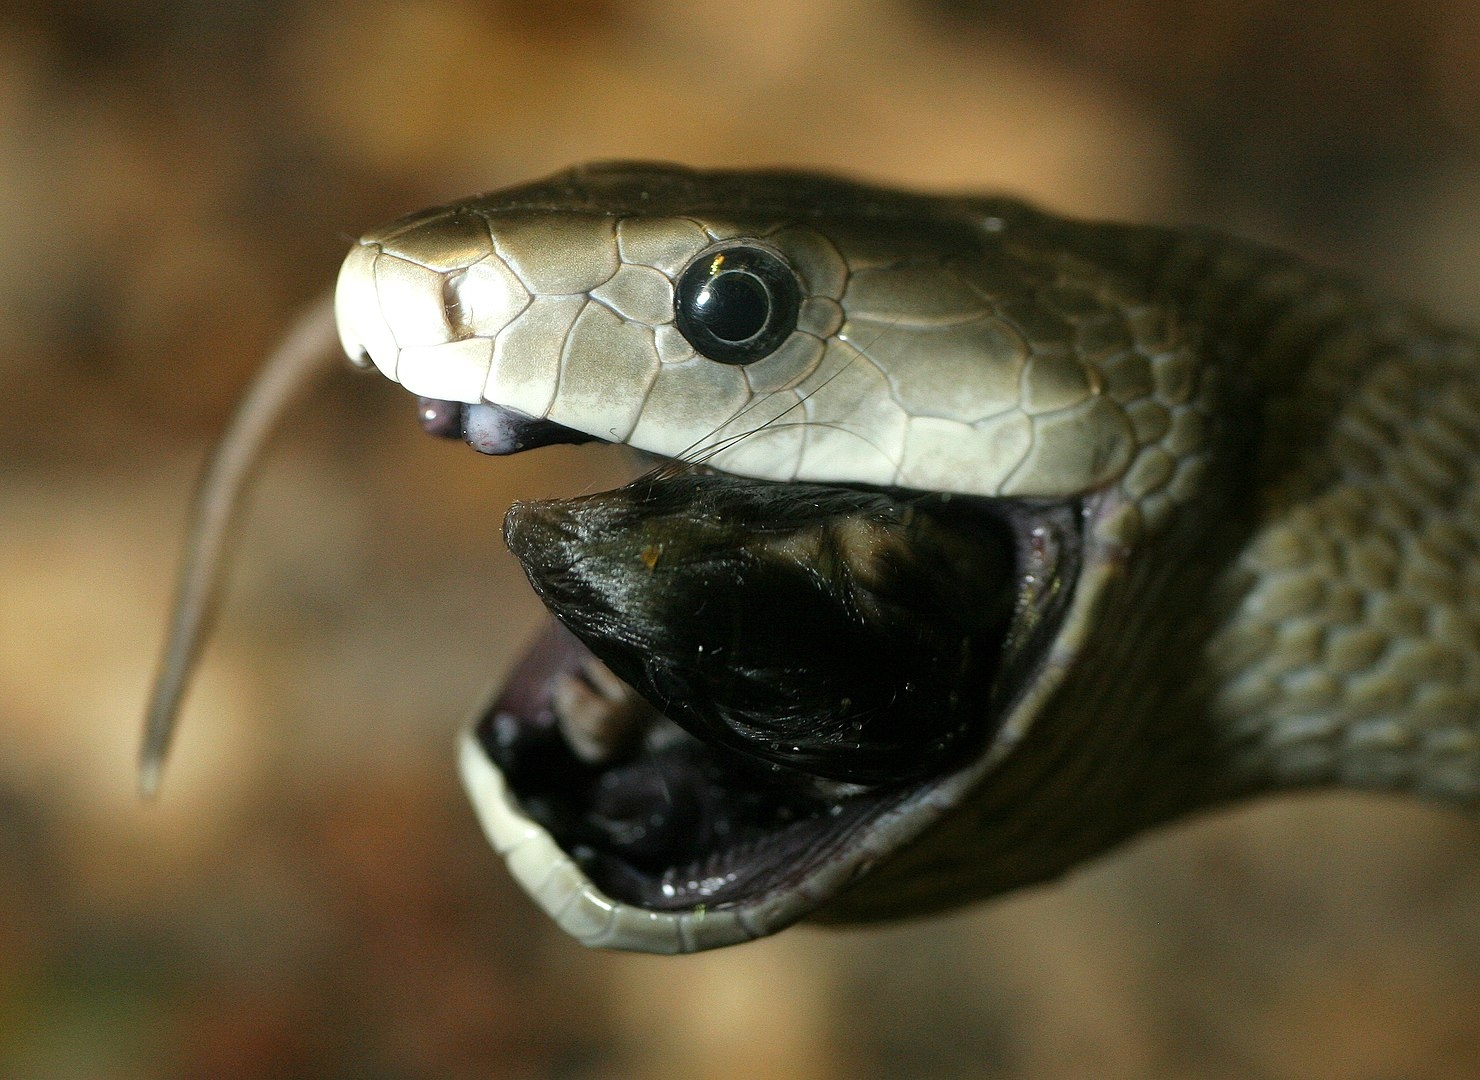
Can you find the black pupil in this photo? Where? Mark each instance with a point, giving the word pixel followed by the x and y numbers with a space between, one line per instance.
pixel 734 306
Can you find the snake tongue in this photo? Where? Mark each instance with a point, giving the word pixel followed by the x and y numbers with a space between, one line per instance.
pixel 496 430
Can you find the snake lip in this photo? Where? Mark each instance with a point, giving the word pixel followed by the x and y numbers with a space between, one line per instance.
pixel 678 836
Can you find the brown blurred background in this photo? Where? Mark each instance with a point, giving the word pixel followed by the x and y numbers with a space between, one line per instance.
pixel 310 897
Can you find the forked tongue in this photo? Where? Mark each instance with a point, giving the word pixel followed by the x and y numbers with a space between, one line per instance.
pixel 310 349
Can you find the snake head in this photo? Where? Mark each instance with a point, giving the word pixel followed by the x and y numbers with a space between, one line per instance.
pixel 781 326
pixel 743 719
pixel 873 639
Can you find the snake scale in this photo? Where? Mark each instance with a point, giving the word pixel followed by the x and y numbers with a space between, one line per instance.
pixel 1156 519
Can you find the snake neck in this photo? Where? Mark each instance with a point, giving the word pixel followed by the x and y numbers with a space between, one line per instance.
pixel 1348 650
pixel 1344 633
pixel 1315 619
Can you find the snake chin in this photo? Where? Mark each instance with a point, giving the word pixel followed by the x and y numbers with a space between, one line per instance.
pixel 751 690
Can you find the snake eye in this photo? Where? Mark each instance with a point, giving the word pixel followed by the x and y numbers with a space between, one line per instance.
pixel 737 304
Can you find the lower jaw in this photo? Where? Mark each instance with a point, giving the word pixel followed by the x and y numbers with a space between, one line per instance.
pixel 677 824
pixel 719 849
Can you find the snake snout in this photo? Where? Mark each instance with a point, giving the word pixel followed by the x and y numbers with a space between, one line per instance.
pixel 363 331
pixel 424 300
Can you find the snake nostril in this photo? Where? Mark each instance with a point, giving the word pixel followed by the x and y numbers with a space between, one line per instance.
pixel 480 300
pixel 452 305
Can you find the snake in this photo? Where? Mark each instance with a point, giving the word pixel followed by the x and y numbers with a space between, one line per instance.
pixel 970 542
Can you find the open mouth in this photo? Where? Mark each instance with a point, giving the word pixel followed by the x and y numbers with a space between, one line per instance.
pixel 655 817
pixel 751 692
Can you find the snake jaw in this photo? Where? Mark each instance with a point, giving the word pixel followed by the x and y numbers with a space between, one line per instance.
pixel 550 873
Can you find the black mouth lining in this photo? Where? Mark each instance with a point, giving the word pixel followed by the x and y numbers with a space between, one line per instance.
pixel 674 825
pixel 676 822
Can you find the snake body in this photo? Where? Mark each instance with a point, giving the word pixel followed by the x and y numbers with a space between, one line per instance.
pixel 1269 478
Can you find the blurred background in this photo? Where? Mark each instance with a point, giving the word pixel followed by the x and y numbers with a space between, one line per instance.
pixel 310 896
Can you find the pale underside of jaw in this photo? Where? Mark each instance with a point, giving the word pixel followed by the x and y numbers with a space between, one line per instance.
pixel 567 895
pixel 552 878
